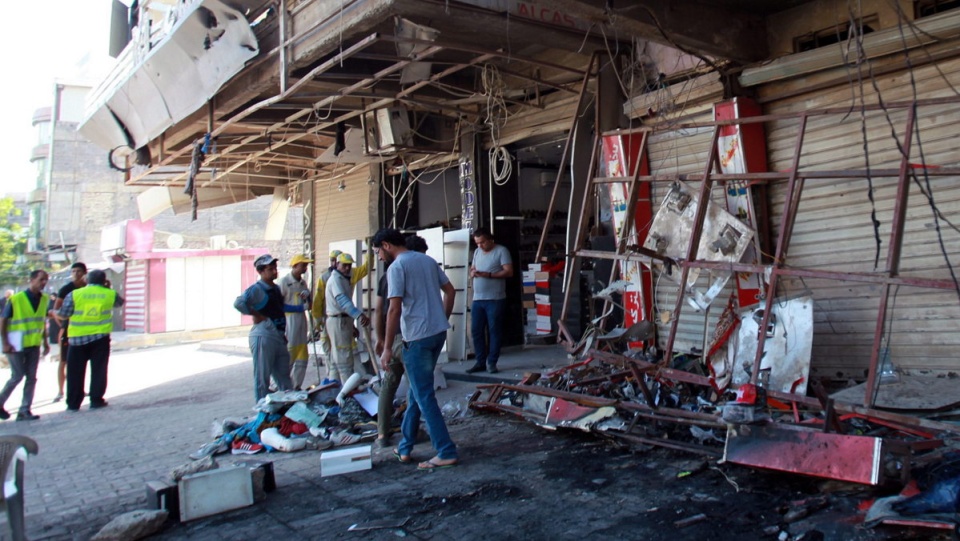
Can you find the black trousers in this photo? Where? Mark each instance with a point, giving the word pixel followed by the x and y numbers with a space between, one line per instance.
pixel 98 353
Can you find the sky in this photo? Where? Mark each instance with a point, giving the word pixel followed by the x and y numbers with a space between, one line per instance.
pixel 43 40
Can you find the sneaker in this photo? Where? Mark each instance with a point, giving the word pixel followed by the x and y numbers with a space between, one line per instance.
pixel 343 438
pixel 98 405
pixel 476 368
pixel 28 416
pixel 244 447
pixel 58 398
pixel 318 444
pixel 4 414
pixel 492 369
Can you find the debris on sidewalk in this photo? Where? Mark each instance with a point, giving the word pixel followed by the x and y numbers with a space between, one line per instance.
pixel 378 525
pixel 132 525
pixel 288 421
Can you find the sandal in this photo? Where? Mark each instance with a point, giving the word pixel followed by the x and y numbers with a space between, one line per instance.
pixel 433 464
pixel 402 458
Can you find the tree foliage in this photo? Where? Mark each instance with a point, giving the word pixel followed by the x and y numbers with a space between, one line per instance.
pixel 12 244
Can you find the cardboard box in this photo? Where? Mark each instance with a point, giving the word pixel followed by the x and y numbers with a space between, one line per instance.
pixel 347 460
pixel 542 299
pixel 544 324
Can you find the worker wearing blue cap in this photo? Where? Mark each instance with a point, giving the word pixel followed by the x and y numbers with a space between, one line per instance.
pixel 268 344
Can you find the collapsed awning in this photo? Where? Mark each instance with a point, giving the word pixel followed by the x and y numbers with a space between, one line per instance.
pixel 209 43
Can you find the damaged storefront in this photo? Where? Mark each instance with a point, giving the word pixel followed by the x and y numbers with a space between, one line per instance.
pixel 746 248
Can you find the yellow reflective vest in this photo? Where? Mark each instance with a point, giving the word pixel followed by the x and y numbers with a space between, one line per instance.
pixel 28 321
pixel 92 311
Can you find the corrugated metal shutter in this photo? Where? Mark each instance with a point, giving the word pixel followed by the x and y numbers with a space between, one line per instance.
pixel 834 229
pixel 555 117
pixel 344 215
pixel 135 296
pixel 679 152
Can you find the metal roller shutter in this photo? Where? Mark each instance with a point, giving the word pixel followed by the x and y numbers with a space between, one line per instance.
pixel 834 229
pixel 680 152
pixel 135 296
pixel 344 215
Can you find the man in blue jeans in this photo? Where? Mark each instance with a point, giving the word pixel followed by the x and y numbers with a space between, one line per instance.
pixel 490 270
pixel 413 283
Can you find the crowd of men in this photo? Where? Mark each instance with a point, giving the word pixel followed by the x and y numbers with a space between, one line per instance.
pixel 82 314
pixel 414 302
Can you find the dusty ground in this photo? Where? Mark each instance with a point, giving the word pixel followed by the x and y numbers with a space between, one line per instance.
pixel 517 481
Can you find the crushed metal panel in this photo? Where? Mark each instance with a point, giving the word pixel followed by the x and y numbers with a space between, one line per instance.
pixel 724 238
pixel 154 89
pixel 534 403
pixel 857 459
pixel 566 414
pixel 787 347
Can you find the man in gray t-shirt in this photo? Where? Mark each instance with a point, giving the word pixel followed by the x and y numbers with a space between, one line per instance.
pixel 490 270
pixel 414 286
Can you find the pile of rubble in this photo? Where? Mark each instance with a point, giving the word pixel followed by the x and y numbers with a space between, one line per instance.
pixel 639 402
pixel 319 418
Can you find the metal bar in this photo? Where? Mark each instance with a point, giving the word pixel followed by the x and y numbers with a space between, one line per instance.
pixel 695 422
pixel 643 386
pixel 599 402
pixel 486 52
pixel 907 420
pixel 551 207
pixel 815 273
pixel 588 197
pixel 283 48
pixel 786 225
pixel 688 377
pixel 627 226
pixel 372 106
pixel 670 444
pixel 894 249
pixel 702 203
pixel 817 175
pixel 343 92
pixel 357 47
pixel 885 107
pixel 641 254
pixel 537 80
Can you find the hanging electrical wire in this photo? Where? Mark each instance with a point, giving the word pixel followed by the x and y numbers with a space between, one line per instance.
pixel 501 165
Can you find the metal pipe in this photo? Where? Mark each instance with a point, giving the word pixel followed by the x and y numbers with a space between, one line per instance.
pixel 551 207
pixel 695 234
pixel 283 46
pixel 893 258
pixel 794 186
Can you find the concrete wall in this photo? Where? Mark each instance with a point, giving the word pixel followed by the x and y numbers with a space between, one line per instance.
pixel 811 17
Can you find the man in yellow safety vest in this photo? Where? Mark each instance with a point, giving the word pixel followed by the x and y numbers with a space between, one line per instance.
pixel 90 310
pixel 23 329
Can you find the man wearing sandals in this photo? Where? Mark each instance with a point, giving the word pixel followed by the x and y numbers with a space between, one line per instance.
pixel 415 308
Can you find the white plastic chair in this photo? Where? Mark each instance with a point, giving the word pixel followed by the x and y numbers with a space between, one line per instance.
pixel 13 455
